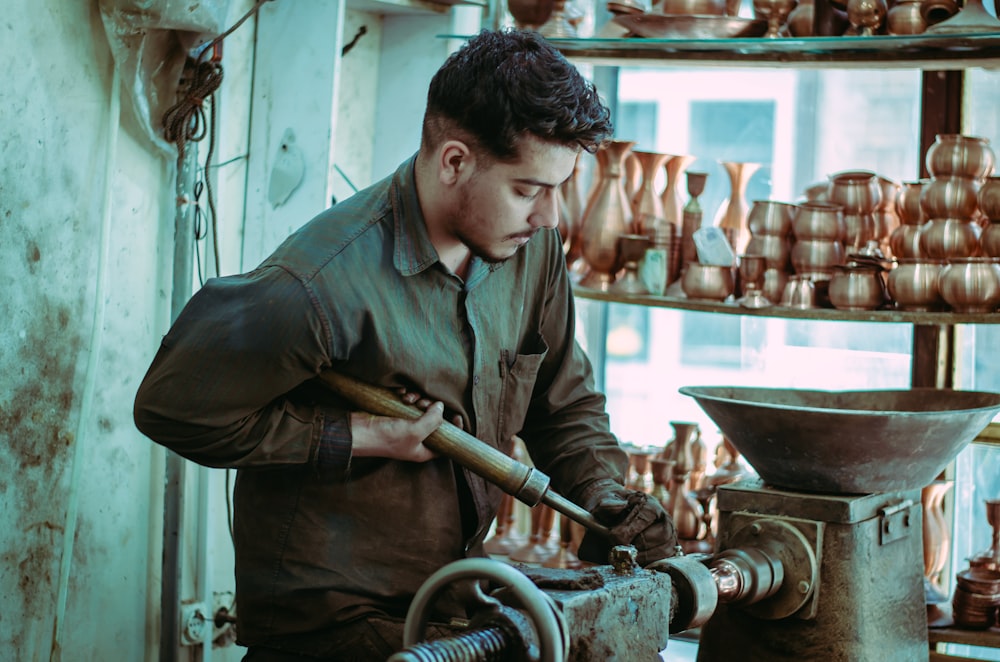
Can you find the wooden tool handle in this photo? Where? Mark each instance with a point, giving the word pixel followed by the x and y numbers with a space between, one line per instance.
pixel 525 483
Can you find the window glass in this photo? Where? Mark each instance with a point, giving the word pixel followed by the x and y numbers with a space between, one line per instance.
pixel 800 125
pixel 977 470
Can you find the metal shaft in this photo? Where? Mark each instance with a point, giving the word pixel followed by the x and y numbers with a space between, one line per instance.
pixel 489 644
pixel 525 483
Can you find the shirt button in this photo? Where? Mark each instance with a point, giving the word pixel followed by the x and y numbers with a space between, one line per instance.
pixel 475 380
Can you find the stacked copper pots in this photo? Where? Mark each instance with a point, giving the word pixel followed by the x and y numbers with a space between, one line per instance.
pixel 770 224
pixel 904 240
pixel 859 192
pixel 958 164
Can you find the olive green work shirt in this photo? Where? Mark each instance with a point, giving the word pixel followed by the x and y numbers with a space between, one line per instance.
pixel 360 289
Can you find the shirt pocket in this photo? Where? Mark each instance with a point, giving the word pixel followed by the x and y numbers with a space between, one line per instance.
pixel 518 374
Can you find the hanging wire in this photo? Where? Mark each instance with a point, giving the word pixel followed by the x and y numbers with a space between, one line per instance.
pixel 185 121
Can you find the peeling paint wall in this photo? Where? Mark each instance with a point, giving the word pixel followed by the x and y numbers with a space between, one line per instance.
pixel 55 136
pixel 61 152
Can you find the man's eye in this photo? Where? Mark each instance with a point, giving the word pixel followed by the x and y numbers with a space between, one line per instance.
pixel 528 194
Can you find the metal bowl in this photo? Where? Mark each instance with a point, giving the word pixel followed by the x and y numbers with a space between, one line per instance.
pixel 662 26
pixel 847 442
pixel 689 7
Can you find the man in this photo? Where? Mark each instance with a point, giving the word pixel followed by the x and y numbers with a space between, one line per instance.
pixel 446 280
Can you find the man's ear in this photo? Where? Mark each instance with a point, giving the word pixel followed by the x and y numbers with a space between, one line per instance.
pixel 455 162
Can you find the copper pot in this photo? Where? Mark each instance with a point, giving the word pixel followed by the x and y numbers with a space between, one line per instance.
pixel 989 198
pixel 813 257
pixel 857 287
pixel 708 281
pixel 989 242
pixel 971 284
pixel 908 203
pixel 819 220
pixel 860 229
pixel 776 250
pixel 770 217
pixel 950 196
pixel 857 190
pixel 774 283
pixel 905 18
pixel 944 238
pixel 955 154
pixel 904 242
pixel 913 284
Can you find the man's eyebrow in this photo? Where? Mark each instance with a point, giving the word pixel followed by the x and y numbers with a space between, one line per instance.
pixel 534 182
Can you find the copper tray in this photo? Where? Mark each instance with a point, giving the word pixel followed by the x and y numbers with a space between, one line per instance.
pixel 675 26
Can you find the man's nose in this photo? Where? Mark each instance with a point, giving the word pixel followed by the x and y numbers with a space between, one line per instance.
pixel 546 211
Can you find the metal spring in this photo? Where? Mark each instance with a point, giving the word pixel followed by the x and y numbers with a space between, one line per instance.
pixel 484 645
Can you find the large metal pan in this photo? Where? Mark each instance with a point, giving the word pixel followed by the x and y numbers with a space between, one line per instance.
pixel 847 442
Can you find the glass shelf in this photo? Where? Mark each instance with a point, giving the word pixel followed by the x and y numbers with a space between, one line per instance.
pixel 822 314
pixel 937 52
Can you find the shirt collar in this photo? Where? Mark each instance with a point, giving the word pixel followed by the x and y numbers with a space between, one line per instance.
pixel 414 251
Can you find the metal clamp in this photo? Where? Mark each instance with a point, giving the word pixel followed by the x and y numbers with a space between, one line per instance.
pixel 894 522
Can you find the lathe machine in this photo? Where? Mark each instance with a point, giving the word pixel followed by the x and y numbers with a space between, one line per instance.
pixel 820 559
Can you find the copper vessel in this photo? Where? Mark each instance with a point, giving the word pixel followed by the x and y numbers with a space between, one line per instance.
pixel 858 191
pixel 770 217
pixel 988 198
pixel 732 216
pixel 950 196
pixel 904 242
pixel 908 203
pixel 857 287
pixel 819 220
pixel 913 284
pixel 944 238
pixel 708 281
pixel 959 155
pixel 608 216
pixel 971 285
pixel 673 203
pixel 647 208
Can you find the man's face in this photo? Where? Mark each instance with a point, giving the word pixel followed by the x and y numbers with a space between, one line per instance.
pixel 502 205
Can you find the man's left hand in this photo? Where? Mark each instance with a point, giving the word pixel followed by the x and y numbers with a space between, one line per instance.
pixel 633 517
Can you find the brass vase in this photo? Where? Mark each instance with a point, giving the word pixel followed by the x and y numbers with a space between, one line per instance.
pixel 936 538
pixel 608 216
pixel 732 215
pixel 684 509
pixel 673 209
pixel 647 207
pixel 673 202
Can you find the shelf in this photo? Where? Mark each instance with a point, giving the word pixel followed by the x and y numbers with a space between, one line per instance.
pixel 408 6
pixel 952 635
pixel 819 314
pixel 884 52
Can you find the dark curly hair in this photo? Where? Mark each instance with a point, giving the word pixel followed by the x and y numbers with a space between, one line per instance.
pixel 504 84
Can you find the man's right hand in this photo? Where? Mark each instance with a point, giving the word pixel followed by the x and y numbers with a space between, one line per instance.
pixel 395 438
